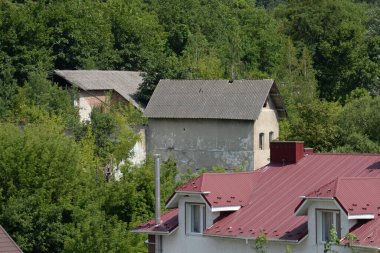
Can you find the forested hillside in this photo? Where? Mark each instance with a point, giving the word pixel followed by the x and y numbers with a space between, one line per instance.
pixel 323 54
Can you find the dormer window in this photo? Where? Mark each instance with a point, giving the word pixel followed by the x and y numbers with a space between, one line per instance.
pixel 195 218
pixel 325 220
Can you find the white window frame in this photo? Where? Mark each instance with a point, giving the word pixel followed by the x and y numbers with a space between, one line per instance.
pixel 337 222
pixel 189 218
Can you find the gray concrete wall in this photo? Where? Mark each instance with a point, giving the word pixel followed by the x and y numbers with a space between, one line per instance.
pixel 202 143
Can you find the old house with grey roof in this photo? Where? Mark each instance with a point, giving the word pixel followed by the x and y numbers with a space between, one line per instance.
pixel 94 87
pixel 206 123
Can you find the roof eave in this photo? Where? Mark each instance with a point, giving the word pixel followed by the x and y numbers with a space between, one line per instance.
pixel 155 232
pixel 173 200
pixel 280 106
pixel 301 209
pixel 254 238
pixel 365 246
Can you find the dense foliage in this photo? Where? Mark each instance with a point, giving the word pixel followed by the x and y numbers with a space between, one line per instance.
pixel 323 54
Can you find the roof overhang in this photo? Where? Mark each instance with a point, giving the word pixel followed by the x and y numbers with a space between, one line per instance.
pixel 225 208
pixel 173 200
pixel 368 216
pixel 275 95
pixel 365 246
pixel 254 238
pixel 301 209
pixel 154 232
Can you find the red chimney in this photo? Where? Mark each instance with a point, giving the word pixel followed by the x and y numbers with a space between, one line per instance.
pixel 286 152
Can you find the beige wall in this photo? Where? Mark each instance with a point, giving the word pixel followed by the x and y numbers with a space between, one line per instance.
pixel 96 98
pixel 267 122
pixel 86 102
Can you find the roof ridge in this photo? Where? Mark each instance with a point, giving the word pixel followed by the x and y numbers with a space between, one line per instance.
pixel 323 186
pixel 347 154
pixel 228 173
pixel 195 79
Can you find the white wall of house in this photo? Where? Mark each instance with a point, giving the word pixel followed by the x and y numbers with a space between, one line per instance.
pixel 182 242
pixel 267 122
pixel 139 150
pixel 87 101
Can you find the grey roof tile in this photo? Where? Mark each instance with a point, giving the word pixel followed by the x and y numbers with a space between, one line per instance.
pixel 211 99
pixel 125 83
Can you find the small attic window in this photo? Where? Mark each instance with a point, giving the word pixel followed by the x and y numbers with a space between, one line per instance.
pixel 261 141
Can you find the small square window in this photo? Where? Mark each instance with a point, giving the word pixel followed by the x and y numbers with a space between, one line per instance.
pixel 195 218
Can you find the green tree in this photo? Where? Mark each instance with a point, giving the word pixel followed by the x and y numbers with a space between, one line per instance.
pixel 316 124
pixel 39 185
pixel 333 31
pixel 359 120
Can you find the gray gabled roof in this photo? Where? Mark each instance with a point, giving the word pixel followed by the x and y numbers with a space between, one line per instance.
pixel 125 83
pixel 212 99
pixel 7 245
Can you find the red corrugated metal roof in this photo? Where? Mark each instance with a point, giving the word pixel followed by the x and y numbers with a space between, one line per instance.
pixel 169 222
pixel 368 233
pixel 7 245
pixel 355 195
pixel 272 193
pixel 223 189
pixel 277 190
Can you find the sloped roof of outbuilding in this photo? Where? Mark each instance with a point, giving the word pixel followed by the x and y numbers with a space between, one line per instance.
pixel 169 222
pixel 125 83
pixel 7 245
pixel 213 99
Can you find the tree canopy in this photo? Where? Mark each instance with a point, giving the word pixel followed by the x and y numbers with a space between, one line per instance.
pixel 323 54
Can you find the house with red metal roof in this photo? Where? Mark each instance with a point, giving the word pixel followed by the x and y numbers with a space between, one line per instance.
pixel 294 202
pixel 7 245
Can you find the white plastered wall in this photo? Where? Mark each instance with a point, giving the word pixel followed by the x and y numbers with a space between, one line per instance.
pixel 268 121
pixel 86 102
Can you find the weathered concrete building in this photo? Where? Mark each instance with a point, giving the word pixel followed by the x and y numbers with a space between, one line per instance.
pixel 94 87
pixel 205 123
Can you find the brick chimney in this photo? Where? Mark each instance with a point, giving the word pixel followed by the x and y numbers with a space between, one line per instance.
pixel 286 152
